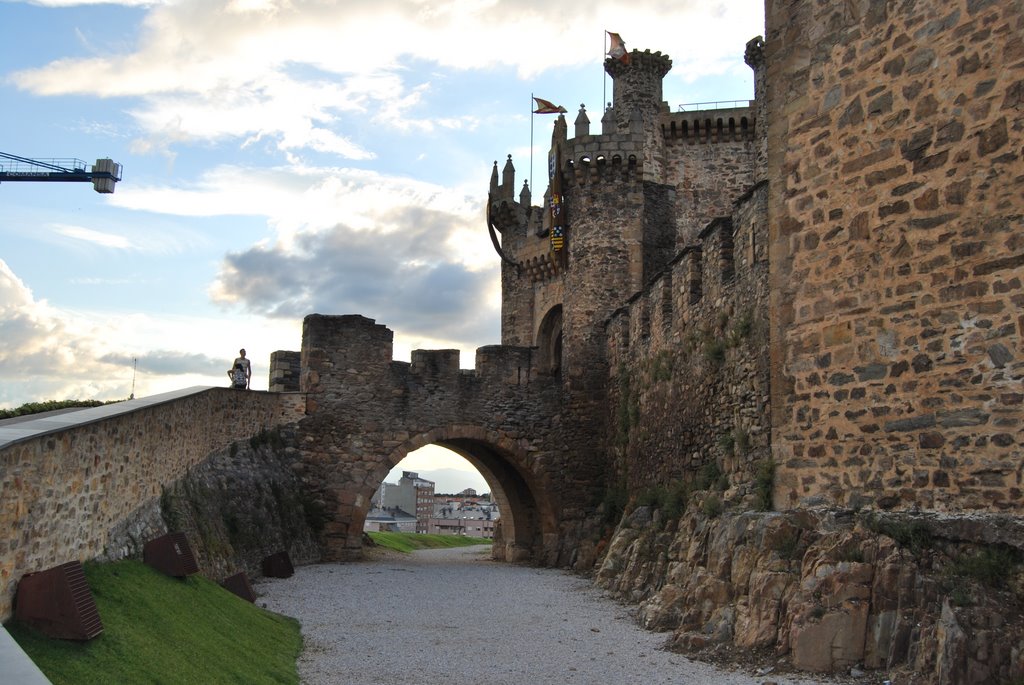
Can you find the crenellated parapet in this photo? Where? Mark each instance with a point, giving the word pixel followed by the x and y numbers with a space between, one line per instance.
pixel 722 272
pixel 637 86
pixel 437 363
pixel 612 165
pixel 346 349
pixel 710 126
pixel 506 364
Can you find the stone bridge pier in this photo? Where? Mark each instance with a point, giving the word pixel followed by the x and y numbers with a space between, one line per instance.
pixel 366 412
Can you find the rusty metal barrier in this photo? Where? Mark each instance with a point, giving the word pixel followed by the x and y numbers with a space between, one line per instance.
pixel 171 555
pixel 58 603
pixel 278 565
pixel 239 584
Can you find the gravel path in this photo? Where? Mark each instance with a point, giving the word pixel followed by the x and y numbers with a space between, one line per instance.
pixel 453 616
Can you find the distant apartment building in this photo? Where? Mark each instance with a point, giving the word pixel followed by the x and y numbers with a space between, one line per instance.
pixel 411 494
pixel 464 514
pixel 473 528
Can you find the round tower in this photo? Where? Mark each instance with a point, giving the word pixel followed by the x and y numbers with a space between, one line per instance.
pixel 637 103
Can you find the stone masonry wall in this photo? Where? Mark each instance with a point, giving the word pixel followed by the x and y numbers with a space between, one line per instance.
pixel 712 157
pixel 689 363
pixel 897 228
pixel 68 495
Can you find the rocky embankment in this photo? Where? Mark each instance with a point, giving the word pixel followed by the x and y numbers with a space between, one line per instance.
pixel 242 504
pixel 923 599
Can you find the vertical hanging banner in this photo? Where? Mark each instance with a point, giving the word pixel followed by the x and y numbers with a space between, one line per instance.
pixel 540 106
pixel 557 201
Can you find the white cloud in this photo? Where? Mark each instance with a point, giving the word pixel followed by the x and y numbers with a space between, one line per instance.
pixel 292 71
pixel 301 199
pixel 78 3
pixel 50 353
pixel 99 238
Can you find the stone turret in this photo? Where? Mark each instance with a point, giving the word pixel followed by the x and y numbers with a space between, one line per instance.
pixel 637 84
pixel 582 122
pixel 508 179
pixel 753 55
pixel 638 103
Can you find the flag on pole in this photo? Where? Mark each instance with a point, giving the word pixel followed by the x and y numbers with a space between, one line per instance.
pixel 617 48
pixel 547 107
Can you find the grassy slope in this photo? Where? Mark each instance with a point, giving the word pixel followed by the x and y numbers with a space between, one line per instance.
pixel 166 630
pixel 407 542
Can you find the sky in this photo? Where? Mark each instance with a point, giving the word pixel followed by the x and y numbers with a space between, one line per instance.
pixel 288 157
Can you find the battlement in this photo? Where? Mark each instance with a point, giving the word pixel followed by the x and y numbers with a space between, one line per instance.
pixel 504 211
pixel 362 362
pixel 592 167
pixel 708 280
pixel 711 125
pixel 435 363
pixel 508 364
pixel 654 63
pixel 637 88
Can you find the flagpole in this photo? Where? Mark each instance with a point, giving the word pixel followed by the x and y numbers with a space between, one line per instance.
pixel 531 143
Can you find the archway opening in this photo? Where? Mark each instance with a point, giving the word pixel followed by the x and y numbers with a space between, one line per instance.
pixel 526 525
pixel 436 491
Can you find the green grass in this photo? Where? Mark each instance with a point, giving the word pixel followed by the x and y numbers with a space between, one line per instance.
pixel 168 630
pixel 407 542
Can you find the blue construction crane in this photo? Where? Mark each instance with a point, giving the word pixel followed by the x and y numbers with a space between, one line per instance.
pixel 103 174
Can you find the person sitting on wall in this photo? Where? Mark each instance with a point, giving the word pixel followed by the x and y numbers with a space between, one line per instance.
pixel 240 372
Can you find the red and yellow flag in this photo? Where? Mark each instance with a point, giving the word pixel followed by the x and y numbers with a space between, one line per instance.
pixel 617 48
pixel 547 107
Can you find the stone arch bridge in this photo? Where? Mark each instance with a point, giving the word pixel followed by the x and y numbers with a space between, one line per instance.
pixel 509 418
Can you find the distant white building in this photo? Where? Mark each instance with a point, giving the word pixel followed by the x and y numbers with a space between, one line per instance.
pixel 389 521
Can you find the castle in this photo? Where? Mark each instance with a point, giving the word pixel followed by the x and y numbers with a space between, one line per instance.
pixel 811 305
pixel 860 229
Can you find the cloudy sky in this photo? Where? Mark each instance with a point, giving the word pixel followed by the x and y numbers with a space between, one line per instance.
pixel 285 157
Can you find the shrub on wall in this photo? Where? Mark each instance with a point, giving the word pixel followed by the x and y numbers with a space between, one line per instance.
pixel 764 482
pixel 50 405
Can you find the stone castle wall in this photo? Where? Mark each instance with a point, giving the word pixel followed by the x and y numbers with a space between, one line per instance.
pixel 688 359
pixel 712 157
pixel 896 165
pixel 86 491
pixel 366 412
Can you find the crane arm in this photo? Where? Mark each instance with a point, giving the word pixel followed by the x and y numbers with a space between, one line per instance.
pixel 103 174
